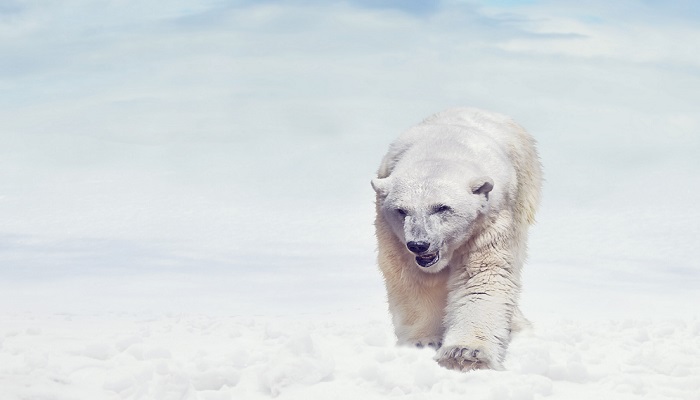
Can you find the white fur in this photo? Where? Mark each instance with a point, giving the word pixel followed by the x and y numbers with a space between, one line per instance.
pixel 466 182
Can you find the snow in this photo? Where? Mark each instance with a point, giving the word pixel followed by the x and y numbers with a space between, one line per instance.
pixel 324 356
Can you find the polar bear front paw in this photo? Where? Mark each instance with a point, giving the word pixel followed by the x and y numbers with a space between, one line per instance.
pixel 462 358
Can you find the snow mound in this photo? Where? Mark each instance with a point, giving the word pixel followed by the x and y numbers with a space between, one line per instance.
pixel 315 357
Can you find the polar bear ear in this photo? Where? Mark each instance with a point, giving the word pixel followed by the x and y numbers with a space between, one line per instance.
pixel 482 185
pixel 381 186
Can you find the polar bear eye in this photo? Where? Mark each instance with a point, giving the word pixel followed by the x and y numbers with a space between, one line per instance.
pixel 441 208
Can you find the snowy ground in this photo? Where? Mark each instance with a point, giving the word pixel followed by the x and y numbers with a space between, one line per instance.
pixel 324 357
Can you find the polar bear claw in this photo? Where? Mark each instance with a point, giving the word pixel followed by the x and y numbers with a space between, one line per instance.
pixel 462 358
pixel 433 342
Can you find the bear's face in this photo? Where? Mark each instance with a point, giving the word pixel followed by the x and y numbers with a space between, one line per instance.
pixel 433 217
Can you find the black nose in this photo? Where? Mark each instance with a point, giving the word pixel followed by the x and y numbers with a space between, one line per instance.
pixel 418 247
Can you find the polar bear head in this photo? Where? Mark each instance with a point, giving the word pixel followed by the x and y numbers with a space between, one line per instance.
pixel 431 214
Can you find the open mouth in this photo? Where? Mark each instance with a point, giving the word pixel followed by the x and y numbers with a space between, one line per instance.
pixel 426 260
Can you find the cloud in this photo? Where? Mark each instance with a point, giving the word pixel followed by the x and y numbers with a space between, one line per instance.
pixel 174 71
pixel 628 34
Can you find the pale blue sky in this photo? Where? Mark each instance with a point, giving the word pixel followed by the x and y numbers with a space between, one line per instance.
pixel 207 136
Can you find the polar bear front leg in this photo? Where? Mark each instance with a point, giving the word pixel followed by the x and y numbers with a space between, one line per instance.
pixel 416 299
pixel 480 307
pixel 418 310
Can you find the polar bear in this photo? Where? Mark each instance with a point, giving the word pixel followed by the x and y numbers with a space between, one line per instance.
pixel 455 196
